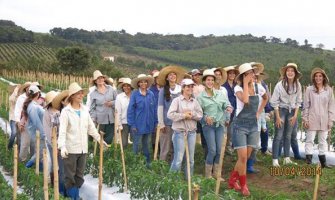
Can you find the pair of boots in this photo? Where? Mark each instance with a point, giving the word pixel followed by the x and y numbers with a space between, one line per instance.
pixel 73 193
pixel 286 161
pixel 322 159
pixel 209 169
pixel 232 183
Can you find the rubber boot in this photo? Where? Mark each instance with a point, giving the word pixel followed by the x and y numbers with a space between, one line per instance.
pixel 232 183
pixel 309 159
pixel 244 187
pixel 323 161
pixel 215 172
pixel 73 193
pixel 208 171
pixel 30 163
pixel 250 167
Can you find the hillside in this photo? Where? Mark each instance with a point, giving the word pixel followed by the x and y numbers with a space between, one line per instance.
pixel 143 52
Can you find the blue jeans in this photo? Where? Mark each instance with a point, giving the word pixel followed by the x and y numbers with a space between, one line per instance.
pixel 284 133
pixel 13 134
pixel 264 140
pixel 213 136
pixel 144 139
pixel 179 151
pixel 294 143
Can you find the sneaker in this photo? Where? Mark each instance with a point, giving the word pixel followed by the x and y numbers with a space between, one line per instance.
pixel 267 152
pixel 275 163
pixel 287 161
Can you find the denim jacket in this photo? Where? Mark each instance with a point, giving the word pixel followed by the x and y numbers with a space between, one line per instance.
pixel 142 112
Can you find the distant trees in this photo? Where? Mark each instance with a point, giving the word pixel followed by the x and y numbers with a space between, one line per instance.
pixel 10 32
pixel 73 59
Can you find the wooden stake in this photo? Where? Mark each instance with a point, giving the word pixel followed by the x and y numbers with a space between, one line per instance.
pixel 329 139
pixel 218 175
pixel 123 163
pixel 316 186
pixel 45 174
pixel 95 143
pixel 100 165
pixel 188 167
pixel 55 162
pixel 116 121
pixel 196 189
pixel 15 172
pixel 37 161
pixel 156 142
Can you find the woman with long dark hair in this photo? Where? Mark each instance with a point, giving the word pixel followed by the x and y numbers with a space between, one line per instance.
pixel 169 78
pixel 34 112
pixel 286 100
pixel 319 114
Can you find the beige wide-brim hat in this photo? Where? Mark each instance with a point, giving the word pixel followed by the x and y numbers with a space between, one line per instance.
pixel 96 75
pixel 74 88
pixel 244 68
pixel 259 66
pixel 41 87
pixel 231 68
pixel 293 65
pixel 179 71
pixel 141 77
pixel 57 101
pixel 319 70
pixel 49 97
pixel 208 72
pixel 24 87
pixel 223 73
pixel 262 76
pixel 109 81
pixel 124 81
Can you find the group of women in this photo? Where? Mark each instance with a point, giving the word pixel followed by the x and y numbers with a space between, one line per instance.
pixel 211 102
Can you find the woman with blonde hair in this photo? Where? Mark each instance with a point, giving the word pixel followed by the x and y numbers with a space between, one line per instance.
pixel 318 114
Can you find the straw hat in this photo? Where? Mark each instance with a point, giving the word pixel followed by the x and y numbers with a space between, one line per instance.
pixel 246 67
pixel 50 96
pixel 262 76
pixel 195 72
pixel 74 88
pixel 24 87
pixel 33 89
pixel 319 70
pixel 57 100
pixel 230 68
pixel 223 73
pixel 141 77
pixel 260 66
pixel 180 72
pixel 125 81
pixel 293 65
pixel 155 74
pixel 109 81
pixel 96 75
pixel 208 72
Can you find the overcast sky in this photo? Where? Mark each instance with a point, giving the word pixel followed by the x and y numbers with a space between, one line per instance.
pixel 296 19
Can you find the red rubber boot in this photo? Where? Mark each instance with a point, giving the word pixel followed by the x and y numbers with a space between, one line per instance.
pixel 244 187
pixel 232 183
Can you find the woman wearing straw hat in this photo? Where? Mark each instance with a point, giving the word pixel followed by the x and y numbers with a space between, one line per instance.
pixel 319 114
pixel 56 106
pixel 214 103
pixel 34 112
pixel 286 100
pixel 232 72
pixel 169 79
pixel 75 126
pixel 102 105
pixel 24 138
pixel 142 114
pixel 121 106
pixel 184 111
pixel 245 130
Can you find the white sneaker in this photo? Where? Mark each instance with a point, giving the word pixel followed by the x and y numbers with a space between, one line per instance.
pixel 275 163
pixel 287 160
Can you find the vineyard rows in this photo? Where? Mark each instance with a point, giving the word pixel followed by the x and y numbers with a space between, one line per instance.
pixel 25 51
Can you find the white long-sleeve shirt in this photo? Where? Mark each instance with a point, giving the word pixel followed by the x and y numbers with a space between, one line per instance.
pixel 121 105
